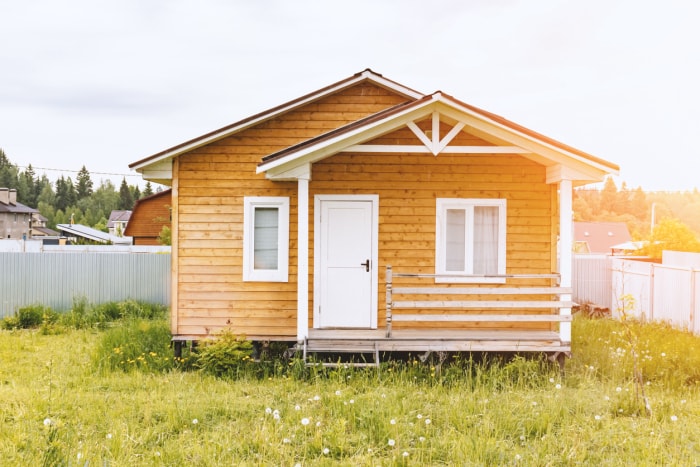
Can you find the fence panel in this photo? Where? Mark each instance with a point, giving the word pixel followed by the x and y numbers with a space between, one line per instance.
pixel 56 279
pixel 672 295
pixel 591 277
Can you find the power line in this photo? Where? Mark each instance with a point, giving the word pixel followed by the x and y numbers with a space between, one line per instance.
pixel 78 171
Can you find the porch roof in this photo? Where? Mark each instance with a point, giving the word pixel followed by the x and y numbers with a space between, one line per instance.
pixel 503 136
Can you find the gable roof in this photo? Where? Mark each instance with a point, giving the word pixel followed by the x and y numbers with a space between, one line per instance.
pixel 601 237
pixel 491 127
pixel 118 216
pixel 362 76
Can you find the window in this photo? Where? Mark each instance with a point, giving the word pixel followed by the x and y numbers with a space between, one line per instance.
pixel 265 239
pixel 470 239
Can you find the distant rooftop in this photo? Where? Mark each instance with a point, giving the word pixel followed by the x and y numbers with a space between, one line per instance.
pixel 94 235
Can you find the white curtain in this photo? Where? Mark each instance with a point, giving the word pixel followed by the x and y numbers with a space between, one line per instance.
pixel 486 240
pixel 265 238
pixel 455 235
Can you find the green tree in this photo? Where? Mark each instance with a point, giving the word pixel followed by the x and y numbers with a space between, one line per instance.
pixel 27 191
pixel 148 190
pixel 84 188
pixel 671 234
pixel 126 199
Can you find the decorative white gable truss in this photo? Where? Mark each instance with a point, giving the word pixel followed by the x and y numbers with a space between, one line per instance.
pixel 562 162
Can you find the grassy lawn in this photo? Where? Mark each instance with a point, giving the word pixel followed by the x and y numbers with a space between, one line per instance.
pixel 61 405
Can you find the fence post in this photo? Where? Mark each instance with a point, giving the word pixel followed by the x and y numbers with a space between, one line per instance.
pixel 388 300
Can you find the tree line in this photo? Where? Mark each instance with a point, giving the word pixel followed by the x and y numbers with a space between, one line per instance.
pixel 60 200
pixel 666 220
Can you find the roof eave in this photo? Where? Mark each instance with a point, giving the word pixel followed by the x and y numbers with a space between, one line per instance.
pixel 365 75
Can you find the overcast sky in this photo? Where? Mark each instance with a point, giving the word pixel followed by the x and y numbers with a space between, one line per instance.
pixel 106 83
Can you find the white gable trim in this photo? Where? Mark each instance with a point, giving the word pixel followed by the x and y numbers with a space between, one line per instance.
pixel 581 168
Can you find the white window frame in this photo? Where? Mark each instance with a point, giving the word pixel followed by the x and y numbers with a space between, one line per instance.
pixel 468 205
pixel 250 274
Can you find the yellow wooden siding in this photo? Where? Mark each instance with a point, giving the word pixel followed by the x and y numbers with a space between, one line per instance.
pixel 408 185
pixel 212 182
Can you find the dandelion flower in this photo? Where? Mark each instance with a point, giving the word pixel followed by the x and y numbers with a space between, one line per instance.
pixel 392 421
pixel 558 386
pixel 318 423
pixel 48 422
pixel 427 421
pixel 674 418
pixel 337 393
pixel 352 401
pixel 421 439
pixel 518 457
pixel 522 437
pixel 405 454
pixel 286 441
pixel 683 401
pixel 419 416
pixel 618 389
pixel 108 436
pixel 326 451
pixel 317 398
pixel 276 412
pixel 663 354
pixel 305 421
pixel 551 380
pixel 391 442
pixel 268 410
pixel 297 407
pixel 597 417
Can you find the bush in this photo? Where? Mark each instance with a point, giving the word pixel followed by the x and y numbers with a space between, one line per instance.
pixel 31 316
pixel 136 345
pixel 227 356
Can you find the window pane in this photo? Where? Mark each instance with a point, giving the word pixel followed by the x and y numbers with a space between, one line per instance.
pixel 486 240
pixel 265 238
pixel 454 253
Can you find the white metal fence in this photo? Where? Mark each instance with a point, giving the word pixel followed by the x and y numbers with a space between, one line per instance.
pixel 591 280
pixel 658 292
pixel 56 279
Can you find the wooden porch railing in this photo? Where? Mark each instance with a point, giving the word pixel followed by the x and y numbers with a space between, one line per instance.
pixel 519 299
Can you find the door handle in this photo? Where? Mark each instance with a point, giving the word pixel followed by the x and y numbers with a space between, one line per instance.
pixel 366 265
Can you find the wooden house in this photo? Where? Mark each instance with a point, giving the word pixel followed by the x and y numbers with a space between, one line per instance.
pixel 369 216
pixel 149 216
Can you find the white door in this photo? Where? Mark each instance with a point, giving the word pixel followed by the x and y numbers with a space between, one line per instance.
pixel 344 267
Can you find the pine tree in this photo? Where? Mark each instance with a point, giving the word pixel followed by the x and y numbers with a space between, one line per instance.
pixel 126 200
pixel 148 190
pixel 84 188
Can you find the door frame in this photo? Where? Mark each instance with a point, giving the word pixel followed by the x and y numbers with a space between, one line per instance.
pixel 374 199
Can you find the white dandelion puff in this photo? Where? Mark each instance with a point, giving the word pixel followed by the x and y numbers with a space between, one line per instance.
pixel 391 442
pixel 305 421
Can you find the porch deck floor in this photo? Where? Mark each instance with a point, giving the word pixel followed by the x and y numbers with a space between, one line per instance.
pixel 405 340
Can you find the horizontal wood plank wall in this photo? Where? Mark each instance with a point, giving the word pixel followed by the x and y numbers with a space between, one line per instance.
pixel 212 183
pixel 408 185
pixel 148 218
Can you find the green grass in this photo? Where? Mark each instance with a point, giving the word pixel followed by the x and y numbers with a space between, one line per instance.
pixel 60 405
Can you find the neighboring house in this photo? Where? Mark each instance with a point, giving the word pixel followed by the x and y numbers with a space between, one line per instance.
pixel 284 224
pixel 15 218
pixel 39 228
pixel 600 237
pixel 77 232
pixel 118 220
pixel 149 216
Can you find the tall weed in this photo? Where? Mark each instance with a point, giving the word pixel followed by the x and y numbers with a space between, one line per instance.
pixel 138 344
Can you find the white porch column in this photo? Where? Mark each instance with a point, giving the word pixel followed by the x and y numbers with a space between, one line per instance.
pixel 566 238
pixel 303 258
